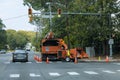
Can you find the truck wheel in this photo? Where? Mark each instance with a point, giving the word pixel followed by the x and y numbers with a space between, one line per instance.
pixel 67 59
pixel 13 60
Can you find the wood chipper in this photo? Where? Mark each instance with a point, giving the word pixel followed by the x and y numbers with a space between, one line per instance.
pixel 56 49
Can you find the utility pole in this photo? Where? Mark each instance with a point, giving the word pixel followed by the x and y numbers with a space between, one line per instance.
pixel 67 25
pixel 50 16
pixel 111 41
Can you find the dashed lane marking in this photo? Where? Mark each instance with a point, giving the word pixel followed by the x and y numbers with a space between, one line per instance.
pixel 73 73
pixel 14 75
pixel 54 74
pixel 34 75
pixel 108 71
pixel 90 72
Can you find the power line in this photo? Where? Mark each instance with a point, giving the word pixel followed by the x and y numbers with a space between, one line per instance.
pixel 16 17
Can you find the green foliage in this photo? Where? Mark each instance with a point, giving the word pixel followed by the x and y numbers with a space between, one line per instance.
pixel 3 39
pixel 2 35
pixel 83 30
pixel 19 38
pixel 1 25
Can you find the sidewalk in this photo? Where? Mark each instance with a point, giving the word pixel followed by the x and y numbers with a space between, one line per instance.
pixel 98 59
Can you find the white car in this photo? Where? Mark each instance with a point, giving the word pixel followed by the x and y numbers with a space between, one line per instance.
pixel 2 51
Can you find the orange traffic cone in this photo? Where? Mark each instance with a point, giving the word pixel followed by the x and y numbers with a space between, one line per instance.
pixel 35 57
pixel 99 58
pixel 40 60
pixel 75 60
pixel 107 59
pixel 47 61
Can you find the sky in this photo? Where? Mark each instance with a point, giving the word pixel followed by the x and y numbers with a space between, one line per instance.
pixel 15 15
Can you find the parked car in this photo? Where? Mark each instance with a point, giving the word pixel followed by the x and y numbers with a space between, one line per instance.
pixel 2 51
pixel 20 55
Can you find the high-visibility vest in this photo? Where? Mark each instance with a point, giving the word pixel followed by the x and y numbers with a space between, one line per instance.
pixel 68 52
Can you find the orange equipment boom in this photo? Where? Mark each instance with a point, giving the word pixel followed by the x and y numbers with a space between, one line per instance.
pixel 49 35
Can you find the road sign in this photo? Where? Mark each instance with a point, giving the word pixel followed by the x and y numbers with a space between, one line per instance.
pixel 111 41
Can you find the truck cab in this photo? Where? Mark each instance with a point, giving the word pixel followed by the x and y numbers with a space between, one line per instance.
pixel 52 48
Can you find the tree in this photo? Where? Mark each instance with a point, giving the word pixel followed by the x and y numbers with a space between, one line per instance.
pixel 2 35
pixel 1 25
pixel 11 38
pixel 19 38
pixel 84 30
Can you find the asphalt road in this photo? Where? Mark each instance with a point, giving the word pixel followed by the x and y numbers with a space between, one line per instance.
pixel 56 70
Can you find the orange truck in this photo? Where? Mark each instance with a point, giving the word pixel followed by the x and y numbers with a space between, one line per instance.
pixel 56 49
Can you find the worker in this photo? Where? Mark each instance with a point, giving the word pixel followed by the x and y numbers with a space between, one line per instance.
pixel 68 52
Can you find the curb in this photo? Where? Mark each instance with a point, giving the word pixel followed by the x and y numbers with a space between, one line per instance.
pixel 101 61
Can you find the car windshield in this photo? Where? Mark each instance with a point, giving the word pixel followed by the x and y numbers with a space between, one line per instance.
pixel 20 51
pixel 2 50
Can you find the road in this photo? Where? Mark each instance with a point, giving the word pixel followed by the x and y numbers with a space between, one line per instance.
pixel 58 70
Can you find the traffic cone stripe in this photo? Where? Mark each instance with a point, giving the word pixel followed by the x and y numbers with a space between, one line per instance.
pixel 37 58
pixel 107 59
pixel 47 60
pixel 40 60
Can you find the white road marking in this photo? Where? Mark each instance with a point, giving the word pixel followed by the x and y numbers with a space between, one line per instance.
pixel 108 71
pixel 117 63
pixel 29 62
pixel 73 73
pixel 14 75
pixel 43 62
pixel 90 72
pixel 34 75
pixel 7 62
pixel 54 74
pixel 58 62
pixel 118 70
pixel 17 62
pixel 50 62
pixel 38 62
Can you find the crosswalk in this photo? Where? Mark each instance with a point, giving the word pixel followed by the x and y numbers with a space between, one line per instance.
pixel 96 71
pixel 69 73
